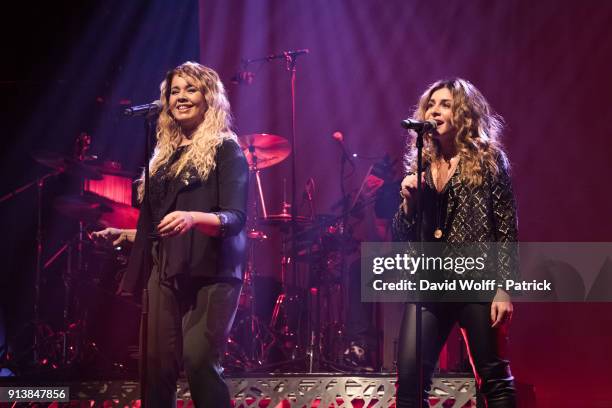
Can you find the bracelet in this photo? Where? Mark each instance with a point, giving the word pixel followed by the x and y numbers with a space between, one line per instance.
pixel 222 223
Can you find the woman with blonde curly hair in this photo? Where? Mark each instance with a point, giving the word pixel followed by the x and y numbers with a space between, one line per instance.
pixel 196 216
pixel 467 198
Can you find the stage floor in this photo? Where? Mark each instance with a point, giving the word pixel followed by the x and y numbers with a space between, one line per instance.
pixel 279 390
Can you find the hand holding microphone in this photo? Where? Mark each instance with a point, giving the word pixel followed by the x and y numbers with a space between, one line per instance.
pixel 408 191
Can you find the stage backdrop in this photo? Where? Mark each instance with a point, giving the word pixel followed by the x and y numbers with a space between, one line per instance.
pixel 543 65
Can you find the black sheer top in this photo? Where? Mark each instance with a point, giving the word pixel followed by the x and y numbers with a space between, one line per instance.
pixel 164 183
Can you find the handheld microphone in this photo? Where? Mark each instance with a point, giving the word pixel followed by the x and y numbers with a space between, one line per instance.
pixel 148 109
pixel 418 126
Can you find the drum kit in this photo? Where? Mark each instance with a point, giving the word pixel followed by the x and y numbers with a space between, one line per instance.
pixel 296 335
pixel 103 199
pixel 304 328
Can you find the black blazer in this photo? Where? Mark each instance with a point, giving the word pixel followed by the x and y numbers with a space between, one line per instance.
pixel 224 192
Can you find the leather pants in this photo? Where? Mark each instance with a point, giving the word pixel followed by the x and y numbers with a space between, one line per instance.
pixel 486 347
pixel 189 322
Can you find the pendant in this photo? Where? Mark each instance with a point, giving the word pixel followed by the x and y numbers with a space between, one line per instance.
pixel 438 233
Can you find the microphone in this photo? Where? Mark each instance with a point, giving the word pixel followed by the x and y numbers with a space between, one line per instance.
pixel 243 77
pixel 418 126
pixel 291 53
pixel 339 137
pixel 148 109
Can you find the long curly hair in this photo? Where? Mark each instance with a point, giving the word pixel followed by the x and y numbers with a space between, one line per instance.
pixel 208 136
pixel 478 131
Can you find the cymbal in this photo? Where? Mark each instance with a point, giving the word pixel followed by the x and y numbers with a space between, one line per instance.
pixel 114 169
pixel 66 164
pixel 256 235
pixel 123 216
pixel 87 207
pixel 91 207
pixel 268 149
pixel 283 219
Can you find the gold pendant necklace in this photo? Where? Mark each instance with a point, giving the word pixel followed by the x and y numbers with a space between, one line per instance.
pixel 440 195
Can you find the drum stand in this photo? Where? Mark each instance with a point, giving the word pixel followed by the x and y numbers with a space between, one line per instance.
pixel 256 332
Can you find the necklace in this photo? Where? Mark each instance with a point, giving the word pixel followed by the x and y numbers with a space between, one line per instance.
pixel 440 185
pixel 441 180
pixel 439 208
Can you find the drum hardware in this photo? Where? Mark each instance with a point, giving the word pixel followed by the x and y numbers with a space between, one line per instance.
pixel 112 168
pixel 292 336
pixel 301 332
pixel 74 166
pixel 256 235
pixel 290 58
pixel 67 346
pixel 262 151
pixel 93 208
pixel 69 165
pixel 85 210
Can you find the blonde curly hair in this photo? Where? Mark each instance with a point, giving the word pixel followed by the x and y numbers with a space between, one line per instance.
pixel 208 136
pixel 478 131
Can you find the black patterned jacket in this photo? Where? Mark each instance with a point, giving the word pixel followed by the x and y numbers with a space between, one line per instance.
pixel 482 214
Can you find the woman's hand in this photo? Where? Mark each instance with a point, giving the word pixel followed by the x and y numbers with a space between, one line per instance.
pixel 408 190
pixel 116 235
pixel 501 309
pixel 175 223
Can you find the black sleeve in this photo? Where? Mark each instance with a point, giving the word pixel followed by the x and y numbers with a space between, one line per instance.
pixel 233 174
pixel 403 227
pixel 505 223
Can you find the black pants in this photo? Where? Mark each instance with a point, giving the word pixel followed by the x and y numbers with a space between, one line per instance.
pixel 189 323
pixel 486 348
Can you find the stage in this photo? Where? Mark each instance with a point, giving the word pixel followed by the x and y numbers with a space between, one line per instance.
pixel 284 390
pixel 319 93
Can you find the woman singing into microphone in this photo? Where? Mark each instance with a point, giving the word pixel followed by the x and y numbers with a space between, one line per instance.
pixel 467 198
pixel 198 197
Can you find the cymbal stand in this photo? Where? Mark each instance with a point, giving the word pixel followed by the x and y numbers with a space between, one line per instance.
pixel 82 145
pixel 68 280
pixel 290 58
pixel 255 348
pixel 40 185
pixel 260 194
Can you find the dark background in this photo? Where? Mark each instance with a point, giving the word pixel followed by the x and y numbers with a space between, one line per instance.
pixel 543 65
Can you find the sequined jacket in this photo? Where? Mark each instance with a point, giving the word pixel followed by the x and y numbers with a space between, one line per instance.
pixel 482 214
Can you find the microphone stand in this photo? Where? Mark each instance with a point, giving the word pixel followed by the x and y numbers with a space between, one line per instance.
pixel 419 312
pixel 290 58
pixel 420 128
pixel 149 127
